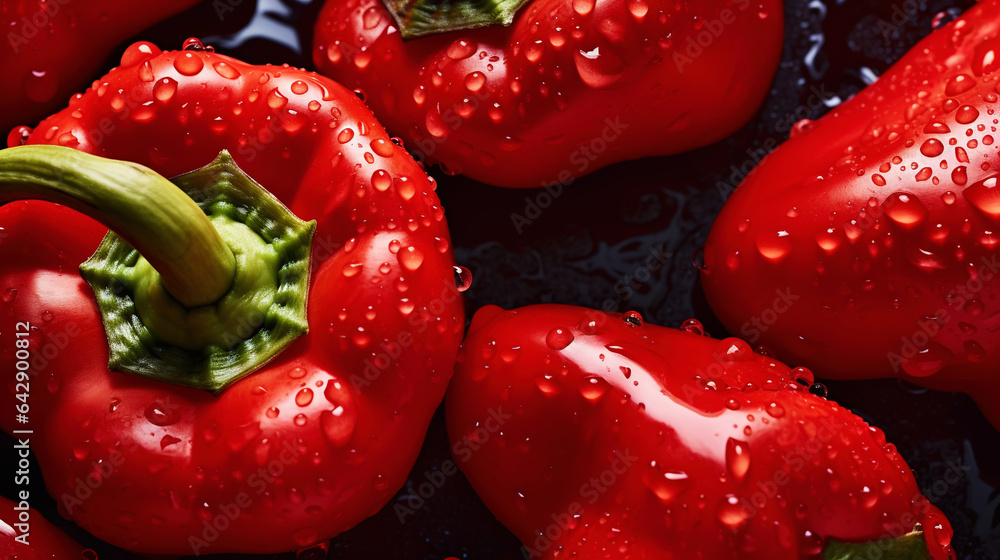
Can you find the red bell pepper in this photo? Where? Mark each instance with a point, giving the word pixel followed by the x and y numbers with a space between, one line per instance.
pixel 592 435
pixel 53 47
pixel 568 87
pixel 325 432
pixel 26 535
pixel 865 246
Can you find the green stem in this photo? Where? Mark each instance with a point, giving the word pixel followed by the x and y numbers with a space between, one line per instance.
pixel 146 210
pixel 911 546
pixel 419 18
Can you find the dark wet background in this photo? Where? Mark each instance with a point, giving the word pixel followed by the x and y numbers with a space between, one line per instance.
pixel 590 244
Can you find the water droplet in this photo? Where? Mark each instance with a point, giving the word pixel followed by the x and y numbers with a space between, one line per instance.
pixel 828 240
pixel 165 89
pixel 959 84
pixel 460 49
pixel 597 69
pixel 594 388
pixel 802 376
pixel 304 397
pixel 305 537
pixel 632 318
pixel 966 114
pixel 818 389
pixel 411 258
pixel 904 209
pixel 731 512
pixel 987 57
pixel 463 278
pixel 638 8
pixel 162 415
pixel 547 385
pixel 474 81
pixel 774 246
pixel 275 100
pixel 381 180
pixel 927 361
pixel 932 147
pixel 558 338
pixel 226 71
pixel 693 326
pixel 665 485
pixel 583 7
pixel 168 440
pixel 985 197
pixel 188 64
pixel 737 458
pixel 775 409
pixel 435 123
pixel 9 295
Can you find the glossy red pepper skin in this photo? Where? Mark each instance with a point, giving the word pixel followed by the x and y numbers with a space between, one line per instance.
pixel 54 47
pixel 874 230
pixel 322 436
pixel 587 434
pixel 44 540
pixel 568 88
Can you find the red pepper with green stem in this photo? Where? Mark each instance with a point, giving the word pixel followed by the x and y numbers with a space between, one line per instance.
pixel 550 90
pixel 53 47
pixel 594 435
pixel 324 433
pixel 879 221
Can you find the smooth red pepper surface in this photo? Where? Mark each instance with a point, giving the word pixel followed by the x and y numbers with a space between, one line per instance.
pixel 44 540
pixel 595 435
pixel 321 437
pixel 569 87
pixel 53 47
pixel 865 246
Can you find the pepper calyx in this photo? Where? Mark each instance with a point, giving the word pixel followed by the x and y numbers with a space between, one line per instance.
pixel 911 546
pixel 421 18
pixel 152 334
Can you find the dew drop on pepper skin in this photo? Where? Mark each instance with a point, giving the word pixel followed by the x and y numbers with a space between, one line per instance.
pixel 165 89
pixel 730 512
pixel 161 415
pixel 737 459
pixel 594 388
pixel 461 49
pixel 463 278
pixel 927 361
pixel 558 338
pixel 188 63
pixel 304 397
pixel 665 485
pixel 411 258
pixel 904 209
pixel 773 246
pixel 984 195
pixel 693 326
